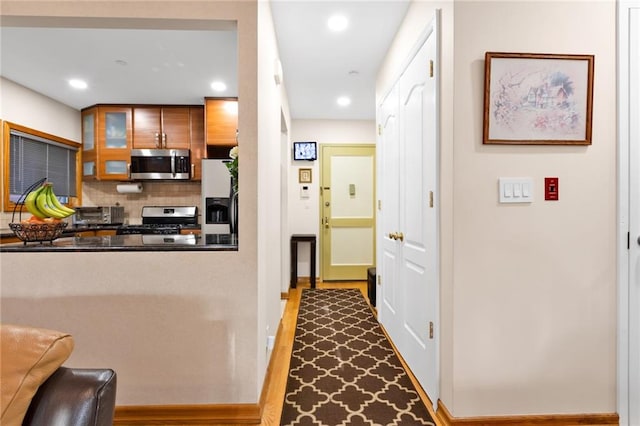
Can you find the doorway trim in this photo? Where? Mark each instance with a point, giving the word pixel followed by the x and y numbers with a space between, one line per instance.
pixel 625 149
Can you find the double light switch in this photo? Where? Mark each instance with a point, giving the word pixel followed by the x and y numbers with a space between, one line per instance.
pixel 516 190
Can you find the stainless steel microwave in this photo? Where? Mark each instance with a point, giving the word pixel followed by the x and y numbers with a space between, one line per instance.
pixel 160 164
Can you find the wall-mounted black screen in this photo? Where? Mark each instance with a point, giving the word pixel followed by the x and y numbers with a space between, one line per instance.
pixel 305 151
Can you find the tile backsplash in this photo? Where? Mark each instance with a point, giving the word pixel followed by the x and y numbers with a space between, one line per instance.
pixel 157 193
pixel 153 194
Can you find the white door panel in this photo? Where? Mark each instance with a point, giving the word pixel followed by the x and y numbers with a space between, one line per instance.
pixel 352 246
pixel 634 218
pixel 629 213
pixel 408 146
pixel 388 293
pixel 415 223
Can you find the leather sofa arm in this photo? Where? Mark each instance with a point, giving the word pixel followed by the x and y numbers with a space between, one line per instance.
pixel 74 397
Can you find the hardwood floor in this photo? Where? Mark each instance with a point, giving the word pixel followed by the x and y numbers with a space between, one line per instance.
pixel 276 380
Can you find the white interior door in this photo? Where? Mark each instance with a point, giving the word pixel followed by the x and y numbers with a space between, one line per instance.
pixel 418 222
pixel 408 235
pixel 348 211
pixel 629 213
pixel 388 292
pixel 634 216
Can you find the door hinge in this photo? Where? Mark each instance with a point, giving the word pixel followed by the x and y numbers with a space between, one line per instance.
pixel 379 280
pixel 430 329
pixel 431 68
pixel 379 204
pixel 431 199
pixel 379 129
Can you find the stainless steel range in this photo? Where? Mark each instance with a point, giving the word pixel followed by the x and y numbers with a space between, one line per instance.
pixel 163 220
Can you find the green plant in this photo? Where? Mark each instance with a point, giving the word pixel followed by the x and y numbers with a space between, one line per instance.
pixel 233 167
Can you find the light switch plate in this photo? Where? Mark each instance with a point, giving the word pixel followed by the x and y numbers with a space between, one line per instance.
pixel 515 189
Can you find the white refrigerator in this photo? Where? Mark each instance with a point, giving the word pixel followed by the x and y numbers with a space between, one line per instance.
pixel 216 209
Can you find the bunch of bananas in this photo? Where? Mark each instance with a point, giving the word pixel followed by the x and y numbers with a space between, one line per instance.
pixel 42 203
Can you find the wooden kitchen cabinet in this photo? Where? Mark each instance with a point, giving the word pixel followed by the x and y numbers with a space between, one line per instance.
pixel 197 145
pixel 106 142
pixel 160 127
pixel 221 124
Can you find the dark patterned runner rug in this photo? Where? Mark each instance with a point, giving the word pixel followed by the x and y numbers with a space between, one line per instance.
pixel 343 369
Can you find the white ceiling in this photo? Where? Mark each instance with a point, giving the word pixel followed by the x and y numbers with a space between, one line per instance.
pixel 174 62
pixel 317 62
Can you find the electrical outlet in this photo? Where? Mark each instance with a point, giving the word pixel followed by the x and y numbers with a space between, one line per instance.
pixel 271 341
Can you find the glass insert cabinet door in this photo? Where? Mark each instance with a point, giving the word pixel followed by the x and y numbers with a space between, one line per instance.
pixel 115 167
pixel 88 131
pixel 115 130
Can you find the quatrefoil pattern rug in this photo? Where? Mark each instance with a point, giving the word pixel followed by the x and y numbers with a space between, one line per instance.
pixel 343 369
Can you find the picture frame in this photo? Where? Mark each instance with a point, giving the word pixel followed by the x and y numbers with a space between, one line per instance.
pixel 304 175
pixel 538 99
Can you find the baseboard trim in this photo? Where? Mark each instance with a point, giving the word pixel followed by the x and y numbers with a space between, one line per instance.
pixel 446 419
pixel 192 415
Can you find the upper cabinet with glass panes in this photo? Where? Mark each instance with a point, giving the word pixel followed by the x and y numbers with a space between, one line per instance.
pixel 106 142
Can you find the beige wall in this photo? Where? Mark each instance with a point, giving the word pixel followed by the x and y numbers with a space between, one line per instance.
pixel 179 328
pixel 528 312
pixel 271 107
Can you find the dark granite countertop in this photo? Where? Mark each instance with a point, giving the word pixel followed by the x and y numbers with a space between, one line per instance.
pixel 71 230
pixel 191 242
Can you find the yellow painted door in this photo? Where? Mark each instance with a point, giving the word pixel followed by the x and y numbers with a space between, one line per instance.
pixel 347 211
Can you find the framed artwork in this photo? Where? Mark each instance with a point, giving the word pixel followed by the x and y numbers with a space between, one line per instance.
pixel 537 99
pixel 304 175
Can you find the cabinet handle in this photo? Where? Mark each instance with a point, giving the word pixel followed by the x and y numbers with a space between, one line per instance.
pixel 193 170
pixel 164 140
pixel 157 139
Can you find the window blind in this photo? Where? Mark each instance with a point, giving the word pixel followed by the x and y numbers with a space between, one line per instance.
pixel 33 158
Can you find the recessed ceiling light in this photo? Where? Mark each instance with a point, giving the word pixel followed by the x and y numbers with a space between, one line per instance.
pixel 121 62
pixel 338 23
pixel 78 84
pixel 344 101
pixel 218 86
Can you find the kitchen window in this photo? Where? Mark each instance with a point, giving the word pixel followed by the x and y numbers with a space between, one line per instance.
pixel 31 156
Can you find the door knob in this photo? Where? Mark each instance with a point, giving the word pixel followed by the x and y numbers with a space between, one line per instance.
pixel 393 236
pixel 400 236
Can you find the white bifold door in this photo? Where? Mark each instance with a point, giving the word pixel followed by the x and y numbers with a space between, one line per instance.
pixel 408 216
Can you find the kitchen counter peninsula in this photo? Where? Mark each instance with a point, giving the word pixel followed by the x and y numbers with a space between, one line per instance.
pixel 177 242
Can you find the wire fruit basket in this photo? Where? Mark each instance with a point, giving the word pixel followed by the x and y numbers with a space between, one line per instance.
pixel 32 232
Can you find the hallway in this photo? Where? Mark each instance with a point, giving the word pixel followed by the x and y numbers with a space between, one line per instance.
pixel 276 380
